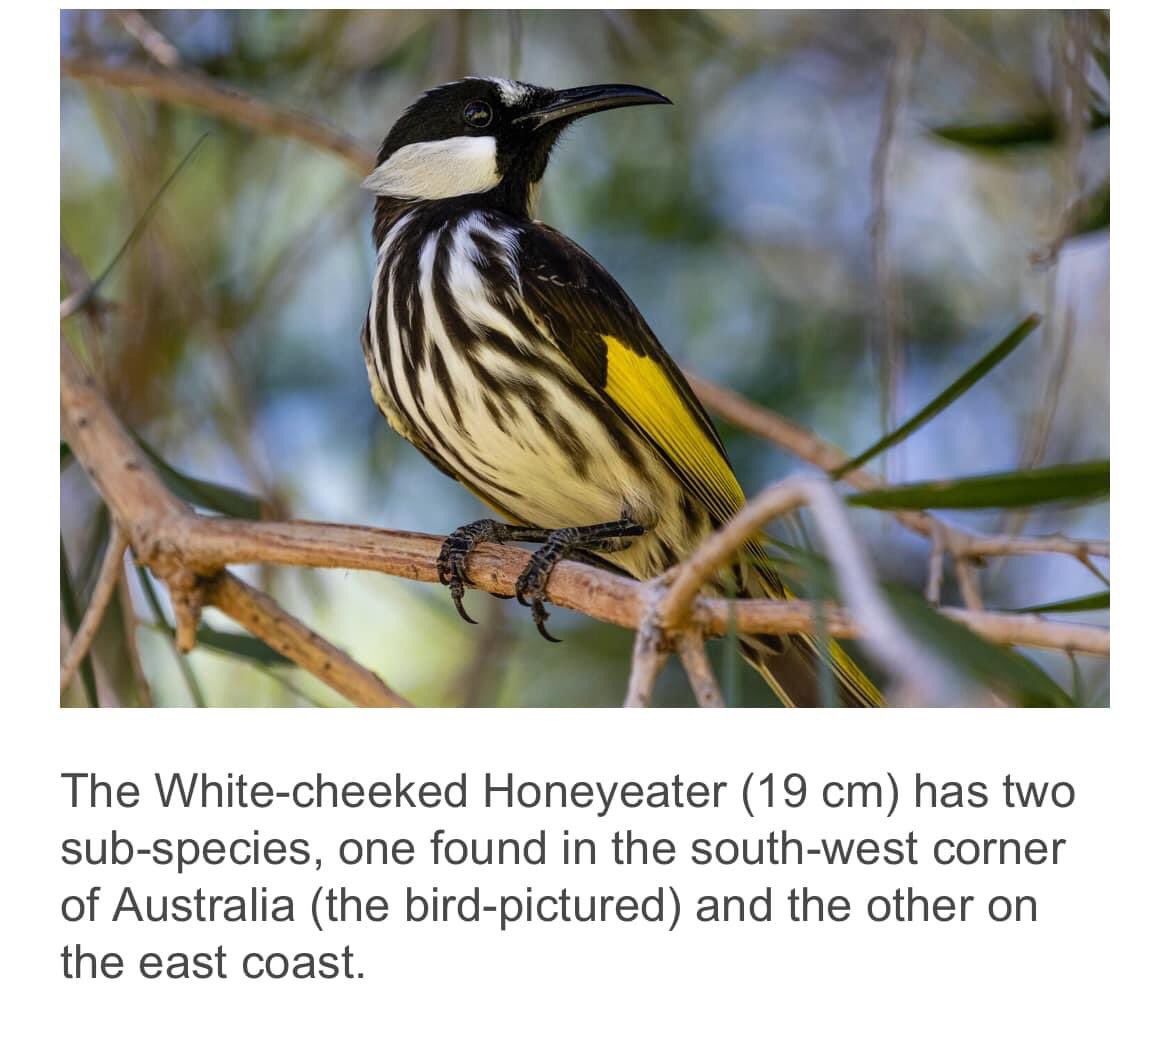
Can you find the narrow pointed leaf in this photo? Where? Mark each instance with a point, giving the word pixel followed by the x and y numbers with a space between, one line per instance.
pixel 1081 482
pixel 1038 129
pixel 952 393
pixel 999 668
pixel 246 646
pixel 1097 600
pixel 225 499
pixel 1092 213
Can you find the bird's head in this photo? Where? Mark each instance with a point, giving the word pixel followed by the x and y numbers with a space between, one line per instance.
pixel 486 136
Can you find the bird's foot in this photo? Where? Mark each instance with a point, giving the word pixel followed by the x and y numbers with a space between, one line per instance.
pixel 457 548
pixel 532 584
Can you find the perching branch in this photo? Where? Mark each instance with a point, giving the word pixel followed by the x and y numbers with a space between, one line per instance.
pixel 189 553
pixel 154 520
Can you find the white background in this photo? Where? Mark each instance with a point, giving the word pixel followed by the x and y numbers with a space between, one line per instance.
pixel 1091 973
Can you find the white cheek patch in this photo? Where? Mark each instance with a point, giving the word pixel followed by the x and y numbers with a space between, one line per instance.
pixel 433 170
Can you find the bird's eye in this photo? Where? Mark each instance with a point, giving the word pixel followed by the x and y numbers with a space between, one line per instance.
pixel 477 114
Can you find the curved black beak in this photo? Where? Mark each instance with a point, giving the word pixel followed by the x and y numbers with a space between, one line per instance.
pixel 576 102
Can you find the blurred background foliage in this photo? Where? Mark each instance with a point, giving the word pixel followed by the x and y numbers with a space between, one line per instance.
pixel 742 221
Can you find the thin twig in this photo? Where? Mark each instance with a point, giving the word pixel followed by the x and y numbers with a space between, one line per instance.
pixel 934 571
pixel 967 575
pixel 693 654
pixel 107 582
pixel 650 654
pixel 884 635
pixel 199 92
pixel 130 629
pixel 153 42
pixel 257 613
pixel 887 312
pixel 604 596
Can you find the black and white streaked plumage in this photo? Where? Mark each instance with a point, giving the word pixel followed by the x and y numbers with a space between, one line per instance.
pixel 511 359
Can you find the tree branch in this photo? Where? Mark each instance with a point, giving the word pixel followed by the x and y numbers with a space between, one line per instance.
pixel 155 521
pixel 255 612
pixel 199 92
pixel 181 547
pixel 107 582
pixel 920 672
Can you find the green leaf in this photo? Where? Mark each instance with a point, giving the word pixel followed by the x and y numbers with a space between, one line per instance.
pixel 244 646
pixel 1081 482
pixel 1097 600
pixel 1092 213
pixel 1038 129
pixel 1002 670
pixel 952 393
pixel 210 495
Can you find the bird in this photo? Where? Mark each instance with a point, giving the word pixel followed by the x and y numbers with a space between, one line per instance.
pixel 518 365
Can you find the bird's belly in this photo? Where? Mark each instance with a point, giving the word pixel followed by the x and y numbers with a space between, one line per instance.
pixel 534 451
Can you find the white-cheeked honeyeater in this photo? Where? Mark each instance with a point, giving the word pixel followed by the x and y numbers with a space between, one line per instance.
pixel 518 366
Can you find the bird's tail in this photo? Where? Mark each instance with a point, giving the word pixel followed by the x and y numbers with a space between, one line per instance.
pixel 792 664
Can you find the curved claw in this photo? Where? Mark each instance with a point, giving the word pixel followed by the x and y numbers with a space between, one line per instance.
pixel 457 598
pixel 539 616
pixel 451 575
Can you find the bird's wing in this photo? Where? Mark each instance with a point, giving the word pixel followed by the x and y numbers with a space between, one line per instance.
pixel 592 321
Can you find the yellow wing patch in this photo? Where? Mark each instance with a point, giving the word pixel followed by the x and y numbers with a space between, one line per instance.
pixel 645 392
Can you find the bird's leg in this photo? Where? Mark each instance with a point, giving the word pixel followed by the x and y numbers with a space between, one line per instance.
pixel 532 583
pixel 457 548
